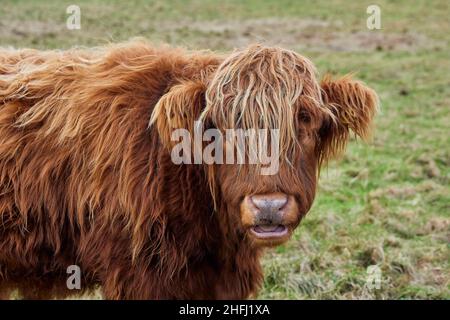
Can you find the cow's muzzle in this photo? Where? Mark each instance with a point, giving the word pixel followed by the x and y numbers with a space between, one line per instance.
pixel 269 218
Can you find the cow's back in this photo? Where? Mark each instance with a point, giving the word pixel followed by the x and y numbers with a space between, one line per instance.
pixel 66 120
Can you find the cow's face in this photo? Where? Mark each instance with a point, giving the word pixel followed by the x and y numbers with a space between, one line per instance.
pixel 276 125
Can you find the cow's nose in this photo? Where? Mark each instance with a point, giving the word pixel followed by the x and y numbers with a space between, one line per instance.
pixel 269 208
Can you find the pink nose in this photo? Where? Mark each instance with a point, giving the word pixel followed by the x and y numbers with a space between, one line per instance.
pixel 268 208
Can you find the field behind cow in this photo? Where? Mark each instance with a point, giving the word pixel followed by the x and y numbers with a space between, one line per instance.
pixel 386 204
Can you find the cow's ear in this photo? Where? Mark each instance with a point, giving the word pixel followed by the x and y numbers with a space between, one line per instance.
pixel 178 109
pixel 352 106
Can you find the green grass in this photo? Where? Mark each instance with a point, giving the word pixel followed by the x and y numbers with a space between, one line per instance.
pixel 386 203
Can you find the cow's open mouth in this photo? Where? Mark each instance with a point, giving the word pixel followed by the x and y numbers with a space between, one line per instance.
pixel 269 231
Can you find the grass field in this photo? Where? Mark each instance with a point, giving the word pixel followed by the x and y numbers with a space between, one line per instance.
pixel 384 204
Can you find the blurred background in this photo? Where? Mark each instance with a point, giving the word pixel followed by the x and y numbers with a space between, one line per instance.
pixel 380 226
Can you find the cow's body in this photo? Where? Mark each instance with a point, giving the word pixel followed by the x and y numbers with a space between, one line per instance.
pixel 87 177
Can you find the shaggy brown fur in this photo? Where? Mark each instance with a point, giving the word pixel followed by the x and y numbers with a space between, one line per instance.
pixel 85 180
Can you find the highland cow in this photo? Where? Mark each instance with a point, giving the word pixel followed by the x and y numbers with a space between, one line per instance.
pixel 87 179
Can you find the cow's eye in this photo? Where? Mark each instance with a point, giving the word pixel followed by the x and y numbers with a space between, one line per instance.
pixel 305 117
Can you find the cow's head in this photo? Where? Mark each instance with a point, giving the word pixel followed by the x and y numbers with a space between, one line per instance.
pixel 267 88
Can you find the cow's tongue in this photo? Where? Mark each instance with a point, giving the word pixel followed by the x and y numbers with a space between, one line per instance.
pixel 266 228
